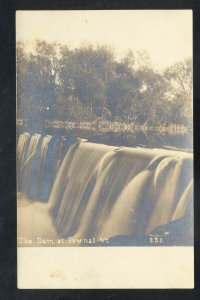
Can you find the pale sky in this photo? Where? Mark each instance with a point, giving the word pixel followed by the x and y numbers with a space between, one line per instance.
pixel 165 34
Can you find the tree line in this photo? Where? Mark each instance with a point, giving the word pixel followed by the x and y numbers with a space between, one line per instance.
pixel 88 83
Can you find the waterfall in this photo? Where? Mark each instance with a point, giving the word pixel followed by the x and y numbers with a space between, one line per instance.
pixel 107 191
pixel 182 204
pixel 21 149
pixel 75 180
pixel 24 172
pixel 41 168
pixel 36 165
pixel 95 190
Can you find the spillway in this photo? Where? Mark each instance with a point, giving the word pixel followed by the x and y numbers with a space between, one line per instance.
pixel 97 190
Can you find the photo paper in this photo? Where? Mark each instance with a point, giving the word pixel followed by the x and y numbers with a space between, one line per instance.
pixel 104 149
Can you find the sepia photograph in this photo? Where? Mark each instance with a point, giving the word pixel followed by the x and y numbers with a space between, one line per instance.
pixel 104 129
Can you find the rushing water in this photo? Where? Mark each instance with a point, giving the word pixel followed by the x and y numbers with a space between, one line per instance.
pixel 96 190
pixel 38 159
pixel 104 191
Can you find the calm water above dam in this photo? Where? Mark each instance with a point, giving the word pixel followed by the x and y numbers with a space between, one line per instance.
pixel 116 133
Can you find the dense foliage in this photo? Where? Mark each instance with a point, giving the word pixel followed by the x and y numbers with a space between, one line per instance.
pixel 89 83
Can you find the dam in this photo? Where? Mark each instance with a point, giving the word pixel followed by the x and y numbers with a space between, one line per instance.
pixel 84 191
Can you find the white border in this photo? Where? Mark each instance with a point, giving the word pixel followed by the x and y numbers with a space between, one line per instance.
pixel 99 268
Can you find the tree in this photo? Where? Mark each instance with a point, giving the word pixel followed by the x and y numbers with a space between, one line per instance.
pixel 152 100
pixel 122 92
pixel 22 59
pixel 84 73
pixel 88 83
pixel 179 76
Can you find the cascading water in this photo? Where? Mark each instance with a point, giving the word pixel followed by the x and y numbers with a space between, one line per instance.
pixel 76 180
pixel 105 191
pixel 41 170
pixel 37 161
pixel 21 150
pixel 24 172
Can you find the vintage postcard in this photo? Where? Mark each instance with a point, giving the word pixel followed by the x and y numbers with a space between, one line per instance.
pixel 104 149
